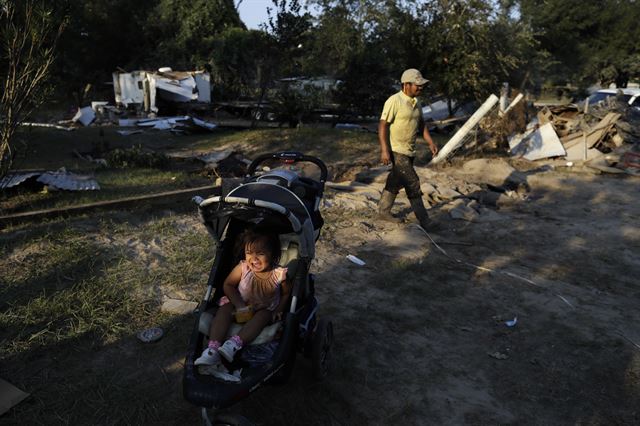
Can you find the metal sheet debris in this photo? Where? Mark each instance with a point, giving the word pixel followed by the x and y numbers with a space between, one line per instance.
pixel 11 180
pixel 60 179
pixel 64 180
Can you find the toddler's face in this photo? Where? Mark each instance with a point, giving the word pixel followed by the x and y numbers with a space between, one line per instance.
pixel 257 257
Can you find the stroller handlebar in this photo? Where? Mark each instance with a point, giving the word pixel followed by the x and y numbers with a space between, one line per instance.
pixel 295 223
pixel 290 157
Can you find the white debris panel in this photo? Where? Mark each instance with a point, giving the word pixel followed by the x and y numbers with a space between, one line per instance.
pixel 543 142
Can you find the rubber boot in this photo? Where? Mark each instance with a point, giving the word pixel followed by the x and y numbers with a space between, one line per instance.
pixel 421 213
pixel 384 208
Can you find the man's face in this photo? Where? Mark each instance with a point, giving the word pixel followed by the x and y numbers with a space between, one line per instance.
pixel 413 89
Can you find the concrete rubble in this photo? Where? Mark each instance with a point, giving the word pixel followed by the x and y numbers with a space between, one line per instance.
pixel 473 193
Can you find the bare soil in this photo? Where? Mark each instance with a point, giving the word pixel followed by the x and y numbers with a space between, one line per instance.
pixel 421 333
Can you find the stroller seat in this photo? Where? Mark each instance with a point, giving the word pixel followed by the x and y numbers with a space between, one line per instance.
pixel 288 259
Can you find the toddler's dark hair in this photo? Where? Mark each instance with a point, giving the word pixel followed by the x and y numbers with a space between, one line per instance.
pixel 270 240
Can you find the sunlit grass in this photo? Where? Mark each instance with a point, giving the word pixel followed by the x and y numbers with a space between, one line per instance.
pixel 69 284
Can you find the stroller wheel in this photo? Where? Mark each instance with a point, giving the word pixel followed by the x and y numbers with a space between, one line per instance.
pixel 231 420
pixel 321 349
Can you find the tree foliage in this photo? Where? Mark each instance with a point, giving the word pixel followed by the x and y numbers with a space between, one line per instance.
pixel 242 61
pixel 588 40
pixel 28 33
pixel 467 48
pixel 289 26
pixel 182 34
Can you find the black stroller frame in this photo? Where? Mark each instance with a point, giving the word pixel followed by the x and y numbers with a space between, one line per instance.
pixel 289 205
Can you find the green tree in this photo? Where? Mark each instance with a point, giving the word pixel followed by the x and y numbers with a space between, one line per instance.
pixel 242 61
pixel 182 33
pixel 588 40
pixel 28 34
pixel 101 36
pixel 289 26
pixel 350 43
pixel 334 41
pixel 614 54
pixel 367 81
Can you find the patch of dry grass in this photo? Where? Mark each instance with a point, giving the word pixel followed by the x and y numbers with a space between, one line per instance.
pixel 74 296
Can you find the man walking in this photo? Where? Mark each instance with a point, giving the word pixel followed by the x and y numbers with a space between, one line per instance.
pixel 399 125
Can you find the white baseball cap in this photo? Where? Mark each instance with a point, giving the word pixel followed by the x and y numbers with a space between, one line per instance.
pixel 414 76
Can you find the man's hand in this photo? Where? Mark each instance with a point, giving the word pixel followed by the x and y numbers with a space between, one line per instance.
pixel 385 158
pixel 434 149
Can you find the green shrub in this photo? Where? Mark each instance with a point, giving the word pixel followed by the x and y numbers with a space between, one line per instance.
pixel 136 156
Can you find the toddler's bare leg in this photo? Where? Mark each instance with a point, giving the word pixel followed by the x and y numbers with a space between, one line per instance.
pixel 221 322
pixel 255 325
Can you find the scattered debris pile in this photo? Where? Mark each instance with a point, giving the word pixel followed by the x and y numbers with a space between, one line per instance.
pixel 178 125
pixel 604 138
pixel 141 91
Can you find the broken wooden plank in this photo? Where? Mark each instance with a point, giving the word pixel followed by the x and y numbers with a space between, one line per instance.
pixel 596 133
pixel 575 151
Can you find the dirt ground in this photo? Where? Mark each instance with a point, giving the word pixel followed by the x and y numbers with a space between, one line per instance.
pixel 421 333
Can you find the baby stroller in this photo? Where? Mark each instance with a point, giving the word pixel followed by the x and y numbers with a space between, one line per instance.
pixel 288 204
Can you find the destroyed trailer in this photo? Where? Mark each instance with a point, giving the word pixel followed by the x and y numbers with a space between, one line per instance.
pixel 147 90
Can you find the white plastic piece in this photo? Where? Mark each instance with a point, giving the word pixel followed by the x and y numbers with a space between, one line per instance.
pixel 355 260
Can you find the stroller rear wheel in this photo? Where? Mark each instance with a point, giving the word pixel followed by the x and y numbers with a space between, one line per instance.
pixel 321 349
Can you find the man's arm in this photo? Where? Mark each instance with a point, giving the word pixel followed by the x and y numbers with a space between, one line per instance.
pixel 427 137
pixel 383 138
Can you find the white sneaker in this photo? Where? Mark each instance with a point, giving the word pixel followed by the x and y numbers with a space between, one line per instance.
pixel 208 357
pixel 228 349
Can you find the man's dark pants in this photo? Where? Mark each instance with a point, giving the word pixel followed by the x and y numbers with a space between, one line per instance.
pixel 403 175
